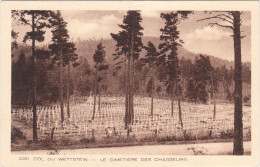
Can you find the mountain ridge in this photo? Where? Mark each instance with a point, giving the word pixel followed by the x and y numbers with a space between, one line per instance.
pixel 86 49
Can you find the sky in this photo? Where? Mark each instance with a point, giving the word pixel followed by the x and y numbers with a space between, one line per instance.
pixel 198 37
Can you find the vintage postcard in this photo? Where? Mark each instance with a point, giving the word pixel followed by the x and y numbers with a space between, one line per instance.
pixel 126 83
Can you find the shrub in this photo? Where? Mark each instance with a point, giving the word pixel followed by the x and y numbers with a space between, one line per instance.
pixel 47 143
pixel 166 138
pixel 17 134
pixel 226 134
pixel 188 136
pixel 84 140
pixel 92 140
pixel 87 141
pixel 204 136
pixel 121 139
pixel 29 142
pixel 65 142
pixel 148 139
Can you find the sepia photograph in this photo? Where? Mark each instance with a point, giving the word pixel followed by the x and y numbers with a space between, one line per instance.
pixel 130 82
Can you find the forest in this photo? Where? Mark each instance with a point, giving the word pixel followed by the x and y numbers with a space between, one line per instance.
pixel 82 81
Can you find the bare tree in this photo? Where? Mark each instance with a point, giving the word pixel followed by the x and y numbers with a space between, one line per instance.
pixel 233 22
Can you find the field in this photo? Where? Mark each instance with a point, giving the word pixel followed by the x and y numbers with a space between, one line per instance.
pixel 198 122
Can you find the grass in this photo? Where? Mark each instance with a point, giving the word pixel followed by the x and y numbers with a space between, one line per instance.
pixel 121 141
pixel 231 153
pixel 21 139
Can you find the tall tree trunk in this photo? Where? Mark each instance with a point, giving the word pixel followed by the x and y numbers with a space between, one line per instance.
pixel 238 115
pixel 129 90
pixel 152 105
pixel 180 112
pixel 61 87
pixel 99 98
pixel 178 93
pixel 126 93
pixel 68 91
pixel 132 91
pixel 184 86
pixel 95 95
pixel 172 104
pixel 35 138
pixel 179 102
pixel 213 98
pixel 132 78
pixel 152 98
pixel 223 85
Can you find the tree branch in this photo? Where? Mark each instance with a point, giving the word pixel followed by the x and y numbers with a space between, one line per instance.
pixel 212 24
pixel 226 16
pixel 215 17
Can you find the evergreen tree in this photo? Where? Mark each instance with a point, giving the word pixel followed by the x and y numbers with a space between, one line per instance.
pixel 202 77
pixel 62 50
pixel 37 20
pixel 82 76
pixel 186 68
pixel 238 112
pixel 100 65
pixel 129 43
pixel 151 59
pixel 191 91
pixel 22 76
pixel 169 57
pixel 233 21
pixel 20 81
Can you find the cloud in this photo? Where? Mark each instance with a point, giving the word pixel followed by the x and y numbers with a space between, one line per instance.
pixel 98 28
pixel 151 13
pixel 207 33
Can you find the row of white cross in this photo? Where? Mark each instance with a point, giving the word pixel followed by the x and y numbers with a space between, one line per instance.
pixel 195 118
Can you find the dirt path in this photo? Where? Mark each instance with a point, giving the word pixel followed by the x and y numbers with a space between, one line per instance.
pixel 183 149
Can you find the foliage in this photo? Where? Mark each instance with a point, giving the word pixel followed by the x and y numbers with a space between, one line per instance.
pixel 60 44
pixel 82 78
pixel 199 85
pixel 227 134
pixel 17 134
pixel 21 81
pixel 87 141
pixel 41 20
pixel 101 64
pixel 168 60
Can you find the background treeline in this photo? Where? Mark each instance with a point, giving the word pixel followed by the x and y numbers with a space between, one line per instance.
pixel 197 74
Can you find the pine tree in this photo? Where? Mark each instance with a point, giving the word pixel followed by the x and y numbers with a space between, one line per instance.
pixel 100 65
pixel 169 57
pixel 20 81
pixel 62 50
pixel 122 49
pixel 82 77
pixel 186 68
pixel 70 58
pixel 37 21
pixel 151 58
pixel 233 21
pixel 202 77
pixel 238 113
pixel 129 43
